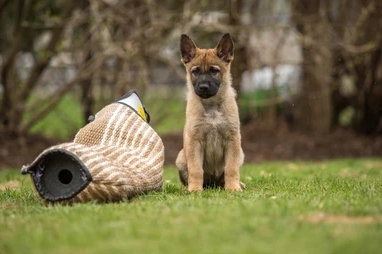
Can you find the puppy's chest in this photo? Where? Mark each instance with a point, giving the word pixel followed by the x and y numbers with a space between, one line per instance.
pixel 213 128
pixel 213 135
pixel 214 119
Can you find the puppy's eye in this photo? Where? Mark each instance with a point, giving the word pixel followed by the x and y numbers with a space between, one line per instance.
pixel 214 70
pixel 195 71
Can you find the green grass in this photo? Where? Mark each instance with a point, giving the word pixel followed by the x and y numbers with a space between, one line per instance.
pixel 288 207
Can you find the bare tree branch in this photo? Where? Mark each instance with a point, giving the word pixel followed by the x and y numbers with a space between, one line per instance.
pixel 44 107
pixel 49 53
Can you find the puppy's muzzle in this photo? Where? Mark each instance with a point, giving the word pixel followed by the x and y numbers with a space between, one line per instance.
pixel 205 87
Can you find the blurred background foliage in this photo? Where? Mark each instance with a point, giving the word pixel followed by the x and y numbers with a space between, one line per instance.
pixel 312 65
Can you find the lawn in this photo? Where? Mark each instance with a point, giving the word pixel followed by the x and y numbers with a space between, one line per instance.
pixel 287 207
pixel 290 207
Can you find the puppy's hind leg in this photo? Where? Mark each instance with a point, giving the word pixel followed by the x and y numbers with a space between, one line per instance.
pixel 181 164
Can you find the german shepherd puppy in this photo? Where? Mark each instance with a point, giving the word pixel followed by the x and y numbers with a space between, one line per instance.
pixel 211 154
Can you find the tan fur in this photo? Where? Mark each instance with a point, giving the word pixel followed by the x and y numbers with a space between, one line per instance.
pixel 212 154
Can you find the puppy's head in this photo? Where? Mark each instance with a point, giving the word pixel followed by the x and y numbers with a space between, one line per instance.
pixel 207 69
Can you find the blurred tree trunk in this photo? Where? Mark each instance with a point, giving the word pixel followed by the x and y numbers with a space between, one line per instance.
pixel 8 99
pixel 368 67
pixel 314 105
pixel 340 101
pixel 239 65
pixel 16 92
pixel 87 95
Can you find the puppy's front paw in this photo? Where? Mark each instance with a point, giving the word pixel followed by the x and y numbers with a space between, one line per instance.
pixel 233 187
pixel 195 184
pixel 194 187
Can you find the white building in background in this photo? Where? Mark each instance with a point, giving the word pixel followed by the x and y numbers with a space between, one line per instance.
pixel 274 55
pixel 287 79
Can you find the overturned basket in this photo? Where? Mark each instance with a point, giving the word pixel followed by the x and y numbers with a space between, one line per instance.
pixel 117 155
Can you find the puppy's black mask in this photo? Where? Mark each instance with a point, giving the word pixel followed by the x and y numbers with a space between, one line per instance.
pixel 205 85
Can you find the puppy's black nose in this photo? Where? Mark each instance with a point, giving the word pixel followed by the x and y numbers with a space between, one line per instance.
pixel 204 87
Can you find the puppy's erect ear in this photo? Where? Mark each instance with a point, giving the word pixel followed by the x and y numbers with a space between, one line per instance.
pixel 187 48
pixel 225 48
